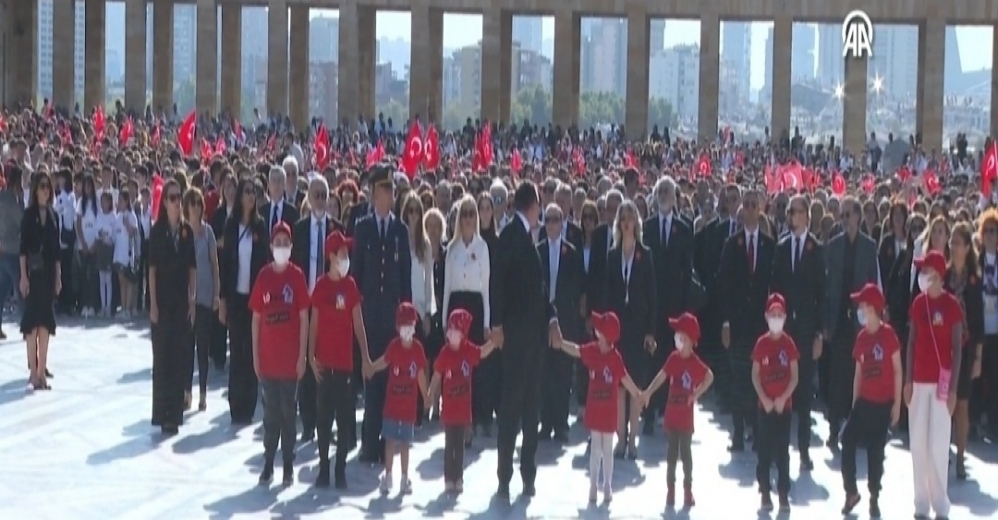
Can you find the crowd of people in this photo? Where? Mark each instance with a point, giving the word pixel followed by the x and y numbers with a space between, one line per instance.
pixel 524 269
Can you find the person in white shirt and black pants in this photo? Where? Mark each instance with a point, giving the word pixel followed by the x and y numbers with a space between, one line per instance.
pixel 65 209
pixel 466 286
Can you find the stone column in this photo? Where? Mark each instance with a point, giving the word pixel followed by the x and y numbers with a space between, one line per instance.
pixel 21 61
pixel 854 105
pixel 710 65
pixel 419 60
pixel 636 107
pixel 135 55
pixel 435 109
pixel 931 66
pixel 206 84
pixel 94 61
pixel 783 30
pixel 299 70
pixel 567 52
pixel 63 47
pixel 367 57
pixel 496 64
pixel 232 58
pixel 277 58
pixel 162 57
pixel 347 95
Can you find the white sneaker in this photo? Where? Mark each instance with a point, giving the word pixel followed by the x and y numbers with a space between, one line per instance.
pixel 386 483
pixel 406 487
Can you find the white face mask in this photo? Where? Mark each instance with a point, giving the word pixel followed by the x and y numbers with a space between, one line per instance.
pixel 924 281
pixel 861 317
pixel 282 255
pixel 407 332
pixel 776 324
pixel 679 341
pixel 343 266
pixel 454 337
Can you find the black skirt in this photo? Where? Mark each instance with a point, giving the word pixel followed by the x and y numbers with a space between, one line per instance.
pixel 474 304
pixel 170 366
pixel 39 304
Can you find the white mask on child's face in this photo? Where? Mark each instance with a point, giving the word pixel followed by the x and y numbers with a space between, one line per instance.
pixel 407 332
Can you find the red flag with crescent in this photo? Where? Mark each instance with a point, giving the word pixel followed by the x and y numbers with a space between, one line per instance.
pixel 838 184
pixel 320 149
pixel 792 176
pixel 99 122
pixel 431 149
pixel 413 153
pixel 375 155
pixel 185 135
pixel 703 166
pixel 989 169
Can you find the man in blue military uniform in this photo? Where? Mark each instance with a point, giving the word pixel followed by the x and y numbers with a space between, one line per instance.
pixel 381 265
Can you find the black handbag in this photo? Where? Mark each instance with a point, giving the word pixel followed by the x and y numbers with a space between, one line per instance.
pixel 35 261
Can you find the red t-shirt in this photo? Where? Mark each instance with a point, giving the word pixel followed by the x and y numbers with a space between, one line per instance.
pixel 455 367
pixel 774 356
pixel 938 315
pixel 279 297
pixel 873 352
pixel 685 375
pixel 606 370
pixel 404 366
pixel 334 301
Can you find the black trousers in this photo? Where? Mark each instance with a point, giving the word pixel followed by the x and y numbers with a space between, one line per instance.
pixel 307 402
pixel 661 396
pixel 987 384
pixel 242 377
pixel 279 397
pixel 867 424
pixel 67 297
pixel 89 292
pixel 203 320
pixel 803 397
pixel 372 445
pixel 743 398
pixel 219 342
pixel 335 402
pixel 170 366
pixel 680 447
pixel 557 391
pixel 842 369
pixel 522 366
pixel 454 452
pixel 772 438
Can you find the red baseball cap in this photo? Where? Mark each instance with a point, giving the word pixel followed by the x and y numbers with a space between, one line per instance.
pixel 687 324
pixel 933 260
pixel 459 319
pixel 871 295
pixel 608 325
pixel 405 315
pixel 281 227
pixel 336 241
pixel 776 301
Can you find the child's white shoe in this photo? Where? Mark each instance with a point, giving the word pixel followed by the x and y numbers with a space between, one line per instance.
pixel 386 483
pixel 607 493
pixel 592 494
pixel 406 486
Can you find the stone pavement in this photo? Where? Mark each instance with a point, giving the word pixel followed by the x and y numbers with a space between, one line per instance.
pixel 86 450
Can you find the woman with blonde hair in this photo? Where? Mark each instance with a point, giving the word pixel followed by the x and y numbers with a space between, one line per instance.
pixel 987 363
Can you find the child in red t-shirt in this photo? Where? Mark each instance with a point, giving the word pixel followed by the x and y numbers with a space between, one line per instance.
pixel 688 379
pixel 452 377
pixel 336 305
pixel 279 301
pixel 774 376
pixel 406 363
pixel 876 397
pixel 606 374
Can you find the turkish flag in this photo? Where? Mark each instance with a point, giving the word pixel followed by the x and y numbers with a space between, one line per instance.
pixel 516 163
pixel 487 145
pixel 185 135
pixel 320 149
pixel 431 149
pixel 127 130
pixel 206 150
pixel 220 146
pixel 868 183
pixel 904 173
pixel 792 176
pixel 375 155
pixel 838 184
pixel 99 122
pixel 703 166
pixel 774 180
pixel 989 169
pixel 413 153
pixel 931 182
pixel 579 161
pixel 478 160
pixel 157 194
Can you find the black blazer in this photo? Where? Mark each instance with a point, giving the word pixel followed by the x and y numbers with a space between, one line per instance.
pixel 599 250
pixel 634 303
pixel 673 265
pixel 569 286
pixel 898 290
pixel 517 293
pixel 228 260
pixel 742 292
pixel 218 221
pixel 289 214
pixel 885 253
pixel 357 211
pixel 803 287
pixel 573 234
pixel 973 307
pixel 301 242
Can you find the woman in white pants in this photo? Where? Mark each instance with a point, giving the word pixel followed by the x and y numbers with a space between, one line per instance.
pixel 935 343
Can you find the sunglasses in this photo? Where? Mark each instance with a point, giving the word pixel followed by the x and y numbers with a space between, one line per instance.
pixel 250 192
pixel 498 200
pixel 173 197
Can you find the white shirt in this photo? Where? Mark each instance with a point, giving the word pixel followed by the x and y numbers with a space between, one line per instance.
pixel 316 253
pixel 245 253
pixel 105 225
pixel 467 269
pixel 990 301
pixel 752 237
pixel 422 281
pixel 554 259
pixel 626 264
pixel 126 226
pixel 88 227
pixel 665 227
pixel 65 207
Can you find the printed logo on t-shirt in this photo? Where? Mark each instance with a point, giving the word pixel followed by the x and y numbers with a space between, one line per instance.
pixel 288 294
pixel 765 361
pixel 937 318
pixel 266 298
pixel 607 375
pixel 341 302
pixel 687 380
pixel 412 369
pixel 784 361
pixel 878 352
pixel 465 369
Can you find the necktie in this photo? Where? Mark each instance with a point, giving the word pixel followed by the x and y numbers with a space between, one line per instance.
pixel 796 256
pixel 554 259
pixel 665 232
pixel 750 252
pixel 731 227
pixel 800 249
pixel 383 229
pixel 273 217
pixel 320 251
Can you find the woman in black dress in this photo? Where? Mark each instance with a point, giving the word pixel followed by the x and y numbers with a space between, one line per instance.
pixel 172 278
pixel 245 250
pixel 41 276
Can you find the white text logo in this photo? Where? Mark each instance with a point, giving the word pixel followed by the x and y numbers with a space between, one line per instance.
pixel 857 35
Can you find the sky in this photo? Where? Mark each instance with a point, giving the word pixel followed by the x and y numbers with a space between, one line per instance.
pixel 466 29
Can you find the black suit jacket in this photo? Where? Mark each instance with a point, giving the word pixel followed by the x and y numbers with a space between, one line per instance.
pixel 357 211
pixel 803 287
pixel 673 265
pixel 301 242
pixel 289 214
pixel 599 250
pixel 569 286
pixel 885 253
pixel 743 292
pixel 573 234
pixel 382 269
pixel 635 302
pixel 228 260
pixel 973 303
pixel 518 295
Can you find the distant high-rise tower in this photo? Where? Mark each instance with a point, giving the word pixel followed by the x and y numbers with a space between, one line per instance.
pixel 895 60
pixel 528 33
pixel 656 30
pixel 736 49
pixel 831 67
pixel 324 39
pixel 802 56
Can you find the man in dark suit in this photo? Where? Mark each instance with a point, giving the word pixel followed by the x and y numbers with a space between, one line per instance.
pixel 307 252
pixel 381 265
pixel 524 319
pixel 570 231
pixel 602 241
pixel 799 275
pixel 670 239
pixel 743 282
pixel 851 260
pixel 358 211
pixel 563 276
pixel 277 209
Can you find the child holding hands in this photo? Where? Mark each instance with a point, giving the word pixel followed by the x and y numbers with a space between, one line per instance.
pixel 452 378
pixel 688 378
pixel 406 364
pixel 606 374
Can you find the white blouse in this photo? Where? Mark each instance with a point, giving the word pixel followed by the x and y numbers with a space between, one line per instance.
pixel 467 269
pixel 422 282
pixel 245 254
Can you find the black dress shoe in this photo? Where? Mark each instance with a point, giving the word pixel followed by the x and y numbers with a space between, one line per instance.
pixel 49 374
pixel 874 507
pixel 561 437
pixel 737 447
pixel 322 480
pixel 503 492
pixel 528 489
pixel 805 463
pixel 268 472
pixel 289 474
